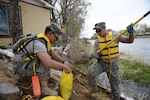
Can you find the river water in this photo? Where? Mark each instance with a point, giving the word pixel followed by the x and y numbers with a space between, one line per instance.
pixel 139 49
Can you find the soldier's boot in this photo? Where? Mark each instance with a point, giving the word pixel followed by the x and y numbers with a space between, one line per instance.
pixel 92 86
pixel 92 91
pixel 46 90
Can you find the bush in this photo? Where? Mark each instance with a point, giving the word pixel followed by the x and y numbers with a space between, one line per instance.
pixel 79 51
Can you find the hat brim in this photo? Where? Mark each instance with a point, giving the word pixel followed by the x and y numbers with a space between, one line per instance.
pixel 96 28
pixel 58 36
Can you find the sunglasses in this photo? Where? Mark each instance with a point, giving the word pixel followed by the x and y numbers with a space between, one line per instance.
pixel 98 30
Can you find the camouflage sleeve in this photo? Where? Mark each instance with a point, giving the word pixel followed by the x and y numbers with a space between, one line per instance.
pixel 120 39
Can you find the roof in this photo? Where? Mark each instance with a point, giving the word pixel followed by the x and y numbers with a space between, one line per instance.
pixel 41 3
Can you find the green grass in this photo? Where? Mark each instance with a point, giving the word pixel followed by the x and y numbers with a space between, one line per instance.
pixel 130 70
pixel 135 71
pixel 146 36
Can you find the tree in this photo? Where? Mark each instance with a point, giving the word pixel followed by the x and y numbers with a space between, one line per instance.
pixel 142 28
pixel 70 15
pixel 14 21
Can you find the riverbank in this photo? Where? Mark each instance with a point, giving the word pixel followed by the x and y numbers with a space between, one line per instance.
pixel 144 36
pixel 135 79
pixel 130 70
pixel 135 71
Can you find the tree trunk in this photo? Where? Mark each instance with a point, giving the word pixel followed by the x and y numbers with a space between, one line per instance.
pixel 14 20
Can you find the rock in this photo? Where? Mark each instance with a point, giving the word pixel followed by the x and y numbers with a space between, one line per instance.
pixel 6 55
pixel 7 52
pixel 8 88
pixel 103 81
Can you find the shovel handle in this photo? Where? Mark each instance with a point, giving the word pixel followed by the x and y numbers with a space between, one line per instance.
pixel 141 18
pixel 147 13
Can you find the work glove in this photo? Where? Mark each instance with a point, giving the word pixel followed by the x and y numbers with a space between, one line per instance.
pixel 94 55
pixel 130 29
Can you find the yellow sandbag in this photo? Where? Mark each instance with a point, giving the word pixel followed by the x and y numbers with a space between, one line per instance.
pixel 53 98
pixel 66 84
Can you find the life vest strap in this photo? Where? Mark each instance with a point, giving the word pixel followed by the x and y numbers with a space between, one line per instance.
pixel 110 47
pixel 110 54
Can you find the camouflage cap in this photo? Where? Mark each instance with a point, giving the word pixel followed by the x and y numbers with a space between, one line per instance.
pixel 56 29
pixel 99 25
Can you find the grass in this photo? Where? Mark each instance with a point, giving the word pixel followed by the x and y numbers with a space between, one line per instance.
pixel 135 71
pixel 130 70
pixel 146 36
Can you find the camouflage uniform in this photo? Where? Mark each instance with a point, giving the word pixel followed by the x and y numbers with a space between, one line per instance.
pixel 36 45
pixel 24 68
pixel 103 65
pixel 100 67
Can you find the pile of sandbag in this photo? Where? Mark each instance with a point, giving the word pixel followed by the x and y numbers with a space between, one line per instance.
pixel 8 80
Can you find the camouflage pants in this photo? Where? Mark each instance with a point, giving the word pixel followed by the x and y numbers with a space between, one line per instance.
pixel 114 78
pixel 25 69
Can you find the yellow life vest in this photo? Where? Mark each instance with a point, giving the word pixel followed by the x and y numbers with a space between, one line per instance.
pixel 47 41
pixel 111 51
pixel 38 36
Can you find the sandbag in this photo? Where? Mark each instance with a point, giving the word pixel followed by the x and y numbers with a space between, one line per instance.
pixel 66 84
pixel 53 98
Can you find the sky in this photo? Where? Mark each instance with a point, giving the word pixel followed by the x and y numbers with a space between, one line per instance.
pixel 117 14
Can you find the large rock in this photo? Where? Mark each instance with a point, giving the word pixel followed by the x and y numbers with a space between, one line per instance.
pixel 9 91
pixel 8 88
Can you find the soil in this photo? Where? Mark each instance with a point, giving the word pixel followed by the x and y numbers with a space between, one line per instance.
pixel 80 87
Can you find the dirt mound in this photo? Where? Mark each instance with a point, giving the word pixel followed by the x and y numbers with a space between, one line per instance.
pixel 80 87
pixel 8 80
pixel 6 72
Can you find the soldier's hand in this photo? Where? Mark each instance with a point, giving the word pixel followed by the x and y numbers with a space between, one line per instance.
pixel 94 55
pixel 130 29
